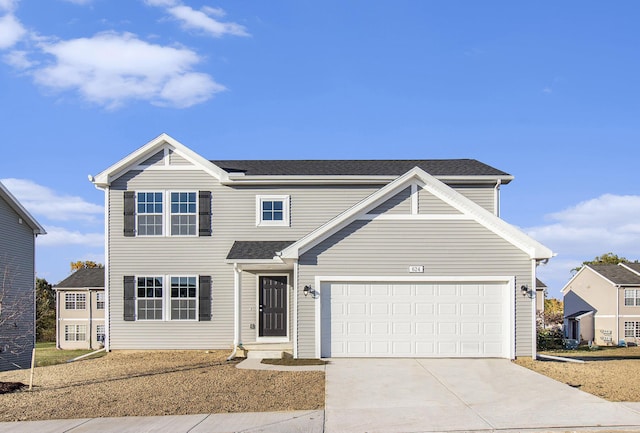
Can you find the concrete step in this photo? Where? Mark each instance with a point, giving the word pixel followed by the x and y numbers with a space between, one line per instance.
pixel 265 354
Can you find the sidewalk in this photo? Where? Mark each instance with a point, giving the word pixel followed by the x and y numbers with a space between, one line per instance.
pixel 280 422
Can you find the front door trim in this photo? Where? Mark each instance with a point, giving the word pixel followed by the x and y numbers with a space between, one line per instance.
pixel 283 339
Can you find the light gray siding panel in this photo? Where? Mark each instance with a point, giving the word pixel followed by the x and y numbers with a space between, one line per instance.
pixel 234 218
pixel 17 243
pixel 157 159
pixel 429 204
pixel 175 159
pixel 398 204
pixel 482 195
pixel 387 248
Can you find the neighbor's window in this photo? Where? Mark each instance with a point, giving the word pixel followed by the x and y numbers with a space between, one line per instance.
pixel 100 300
pixel 631 297
pixel 632 329
pixel 75 301
pixel 183 298
pixel 100 334
pixel 75 332
pixel 149 213
pixel 149 298
pixel 272 210
pixel 183 214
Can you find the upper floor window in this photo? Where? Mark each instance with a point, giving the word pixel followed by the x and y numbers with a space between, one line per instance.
pixel 148 213
pixel 183 213
pixel 100 300
pixel 75 301
pixel 631 297
pixel 272 210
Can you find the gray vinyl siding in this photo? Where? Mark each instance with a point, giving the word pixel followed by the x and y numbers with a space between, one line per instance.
pixel 234 218
pixel 428 204
pixel 17 244
pixel 157 159
pixel 175 159
pixel 388 247
pixel 398 204
pixel 481 194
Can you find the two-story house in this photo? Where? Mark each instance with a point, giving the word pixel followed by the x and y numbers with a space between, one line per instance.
pixel 321 258
pixel 602 304
pixel 80 306
pixel 18 231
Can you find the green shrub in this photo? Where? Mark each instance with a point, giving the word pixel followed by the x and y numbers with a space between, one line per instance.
pixel 550 339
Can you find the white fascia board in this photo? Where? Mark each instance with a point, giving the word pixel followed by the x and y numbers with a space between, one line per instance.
pixel 107 176
pixel 21 210
pixel 241 178
pixel 628 268
pixel 534 249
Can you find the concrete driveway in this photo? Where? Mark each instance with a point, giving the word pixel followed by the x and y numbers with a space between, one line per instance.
pixel 440 395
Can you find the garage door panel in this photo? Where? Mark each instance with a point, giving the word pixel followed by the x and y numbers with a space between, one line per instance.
pixel 414 319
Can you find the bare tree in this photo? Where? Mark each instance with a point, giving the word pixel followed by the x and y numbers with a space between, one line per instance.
pixel 16 317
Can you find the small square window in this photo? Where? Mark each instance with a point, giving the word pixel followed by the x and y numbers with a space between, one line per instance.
pixel 272 210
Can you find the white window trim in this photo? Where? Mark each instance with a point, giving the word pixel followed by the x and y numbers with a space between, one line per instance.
pixel 75 301
pixel 98 300
pixel 166 213
pixel 137 214
pixel 166 298
pixel 169 298
pixel 164 295
pixel 75 333
pixel 286 210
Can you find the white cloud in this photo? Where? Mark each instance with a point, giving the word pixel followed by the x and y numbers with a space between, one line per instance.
pixel 11 31
pixel 201 20
pixel 8 5
pixel 79 2
pixel 18 59
pixel 111 68
pixel 161 3
pixel 58 236
pixel 608 223
pixel 44 202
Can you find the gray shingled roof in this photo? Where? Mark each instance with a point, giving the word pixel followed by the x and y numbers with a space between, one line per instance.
pixel 634 266
pixel 578 314
pixel 617 274
pixel 540 284
pixel 435 167
pixel 256 250
pixel 92 277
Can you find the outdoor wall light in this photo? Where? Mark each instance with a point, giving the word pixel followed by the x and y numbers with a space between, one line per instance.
pixel 524 290
pixel 306 290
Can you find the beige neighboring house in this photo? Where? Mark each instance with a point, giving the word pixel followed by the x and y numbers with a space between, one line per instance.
pixel 80 311
pixel 602 304
pixel 541 291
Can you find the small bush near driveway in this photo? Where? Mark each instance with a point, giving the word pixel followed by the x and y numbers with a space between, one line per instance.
pixel 138 383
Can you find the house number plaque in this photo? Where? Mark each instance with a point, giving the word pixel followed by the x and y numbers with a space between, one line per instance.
pixel 415 269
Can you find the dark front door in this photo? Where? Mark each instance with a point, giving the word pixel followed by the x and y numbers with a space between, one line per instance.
pixel 273 306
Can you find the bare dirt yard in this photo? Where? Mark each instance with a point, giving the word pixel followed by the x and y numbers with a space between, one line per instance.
pixel 609 373
pixel 130 383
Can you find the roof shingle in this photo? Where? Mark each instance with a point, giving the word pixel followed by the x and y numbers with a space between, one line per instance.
pixel 86 277
pixel 435 167
pixel 617 274
pixel 256 250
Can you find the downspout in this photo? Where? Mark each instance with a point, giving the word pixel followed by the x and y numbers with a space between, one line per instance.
pixel 295 310
pixel 90 320
pixel 617 316
pixel 236 310
pixel 496 198
pixel 534 338
pixel 107 309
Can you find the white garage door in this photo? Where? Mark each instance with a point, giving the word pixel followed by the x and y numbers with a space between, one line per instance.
pixel 428 319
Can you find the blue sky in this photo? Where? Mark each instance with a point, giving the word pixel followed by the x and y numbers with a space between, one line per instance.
pixel 547 91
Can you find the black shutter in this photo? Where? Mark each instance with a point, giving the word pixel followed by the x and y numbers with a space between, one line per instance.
pixel 129 213
pixel 129 298
pixel 204 213
pixel 204 298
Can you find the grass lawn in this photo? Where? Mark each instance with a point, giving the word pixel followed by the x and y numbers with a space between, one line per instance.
pixel 47 354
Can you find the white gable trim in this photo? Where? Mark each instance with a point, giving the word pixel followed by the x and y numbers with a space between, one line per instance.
pixel 163 142
pixel 21 211
pixel 534 249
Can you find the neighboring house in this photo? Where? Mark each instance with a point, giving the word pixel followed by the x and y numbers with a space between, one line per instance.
pixel 80 307
pixel 541 293
pixel 602 304
pixel 324 258
pixel 18 231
